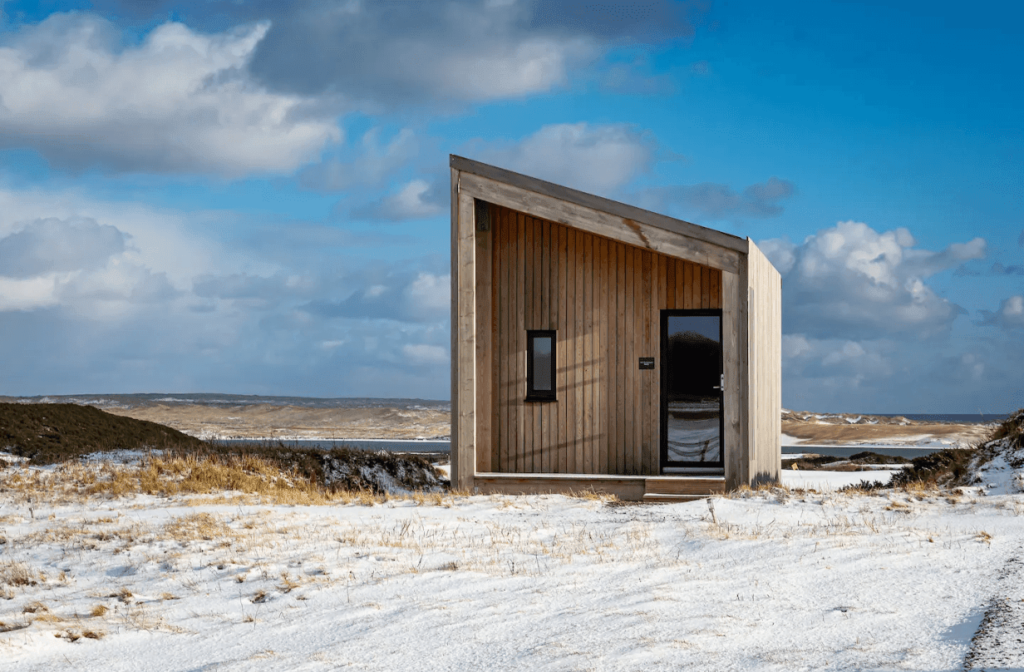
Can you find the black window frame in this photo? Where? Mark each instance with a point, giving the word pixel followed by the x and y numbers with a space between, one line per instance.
pixel 531 393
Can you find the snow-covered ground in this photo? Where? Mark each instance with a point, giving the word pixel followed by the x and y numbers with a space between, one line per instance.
pixel 833 480
pixel 777 580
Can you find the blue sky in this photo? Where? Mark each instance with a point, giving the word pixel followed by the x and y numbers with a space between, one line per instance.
pixel 252 197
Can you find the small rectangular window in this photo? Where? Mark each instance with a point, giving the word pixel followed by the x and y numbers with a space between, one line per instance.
pixel 540 366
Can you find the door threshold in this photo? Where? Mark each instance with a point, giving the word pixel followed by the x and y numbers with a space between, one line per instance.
pixel 693 471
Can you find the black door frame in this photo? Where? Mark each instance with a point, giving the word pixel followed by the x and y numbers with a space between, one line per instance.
pixel 663 400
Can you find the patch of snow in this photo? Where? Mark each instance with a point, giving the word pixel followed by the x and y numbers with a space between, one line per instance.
pixel 832 480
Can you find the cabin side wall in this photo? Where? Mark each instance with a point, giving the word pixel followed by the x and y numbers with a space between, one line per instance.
pixel 603 298
pixel 765 367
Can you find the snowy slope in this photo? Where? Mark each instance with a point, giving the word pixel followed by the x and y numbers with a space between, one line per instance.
pixel 781 582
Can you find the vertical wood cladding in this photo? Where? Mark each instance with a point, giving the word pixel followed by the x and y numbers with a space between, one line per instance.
pixel 603 298
pixel 765 348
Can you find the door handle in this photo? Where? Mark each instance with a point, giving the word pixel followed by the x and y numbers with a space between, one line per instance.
pixel 721 387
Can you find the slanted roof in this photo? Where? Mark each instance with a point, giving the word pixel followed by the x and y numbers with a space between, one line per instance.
pixel 605 216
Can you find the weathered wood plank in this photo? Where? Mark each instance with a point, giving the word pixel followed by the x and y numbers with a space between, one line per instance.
pixel 670 282
pixel 648 425
pixel 680 284
pixel 551 428
pixel 533 461
pixel 506 311
pixel 625 489
pixel 622 359
pixel 525 460
pixel 520 341
pixel 542 461
pixel 716 288
pixel 705 287
pixel 454 323
pixel 485 359
pixel 734 292
pixel 581 341
pixel 639 299
pixel 764 347
pixel 687 285
pixel 684 486
pixel 571 352
pixel 602 360
pixel 563 388
pixel 628 388
pixel 464 453
pixel 660 303
pixel 588 356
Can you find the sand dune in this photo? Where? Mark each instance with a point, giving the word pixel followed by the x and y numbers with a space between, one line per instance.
pixel 851 429
pixel 264 421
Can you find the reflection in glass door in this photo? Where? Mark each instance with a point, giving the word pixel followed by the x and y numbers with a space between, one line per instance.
pixel 691 390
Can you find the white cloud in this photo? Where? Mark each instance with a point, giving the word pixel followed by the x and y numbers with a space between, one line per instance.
pixel 597 158
pixel 178 101
pixel 852 281
pixel 443 51
pixel 794 345
pixel 52 244
pixel 430 293
pixel 850 350
pixel 414 200
pixel 709 200
pixel 452 51
pixel 425 354
pixel 28 293
pixel 1009 316
pixel 374 162
pixel 97 258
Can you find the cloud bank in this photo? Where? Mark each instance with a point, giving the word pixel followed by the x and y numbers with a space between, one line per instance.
pixel 180 101
pixel 853 281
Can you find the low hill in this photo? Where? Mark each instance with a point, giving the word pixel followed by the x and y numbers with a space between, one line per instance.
pixel 47 433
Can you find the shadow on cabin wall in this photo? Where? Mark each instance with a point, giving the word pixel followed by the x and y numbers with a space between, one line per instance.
pixel 764 478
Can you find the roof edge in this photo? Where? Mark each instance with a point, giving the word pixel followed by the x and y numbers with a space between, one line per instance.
pixel 594 202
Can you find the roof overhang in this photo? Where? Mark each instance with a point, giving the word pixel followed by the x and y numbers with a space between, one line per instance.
pixel 602 216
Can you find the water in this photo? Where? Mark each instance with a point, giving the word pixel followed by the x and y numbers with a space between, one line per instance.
pixel 393 446
pixel 228 400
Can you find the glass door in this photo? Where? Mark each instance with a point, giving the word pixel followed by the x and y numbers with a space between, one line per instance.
pixel 691 390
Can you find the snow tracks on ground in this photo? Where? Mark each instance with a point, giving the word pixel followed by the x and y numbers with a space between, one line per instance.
pixel 999 642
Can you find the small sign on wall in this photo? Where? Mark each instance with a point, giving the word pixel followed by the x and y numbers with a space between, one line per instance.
pixel 646 363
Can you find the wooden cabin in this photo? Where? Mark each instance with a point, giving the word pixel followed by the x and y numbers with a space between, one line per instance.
pixel 598 346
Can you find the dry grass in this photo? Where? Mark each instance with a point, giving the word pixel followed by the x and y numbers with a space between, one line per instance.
pixel 17 574
pixel 199 526
pixel 252 479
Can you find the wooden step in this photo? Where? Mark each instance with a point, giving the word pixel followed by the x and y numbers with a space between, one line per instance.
pixel 684 485
pixel 668 499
